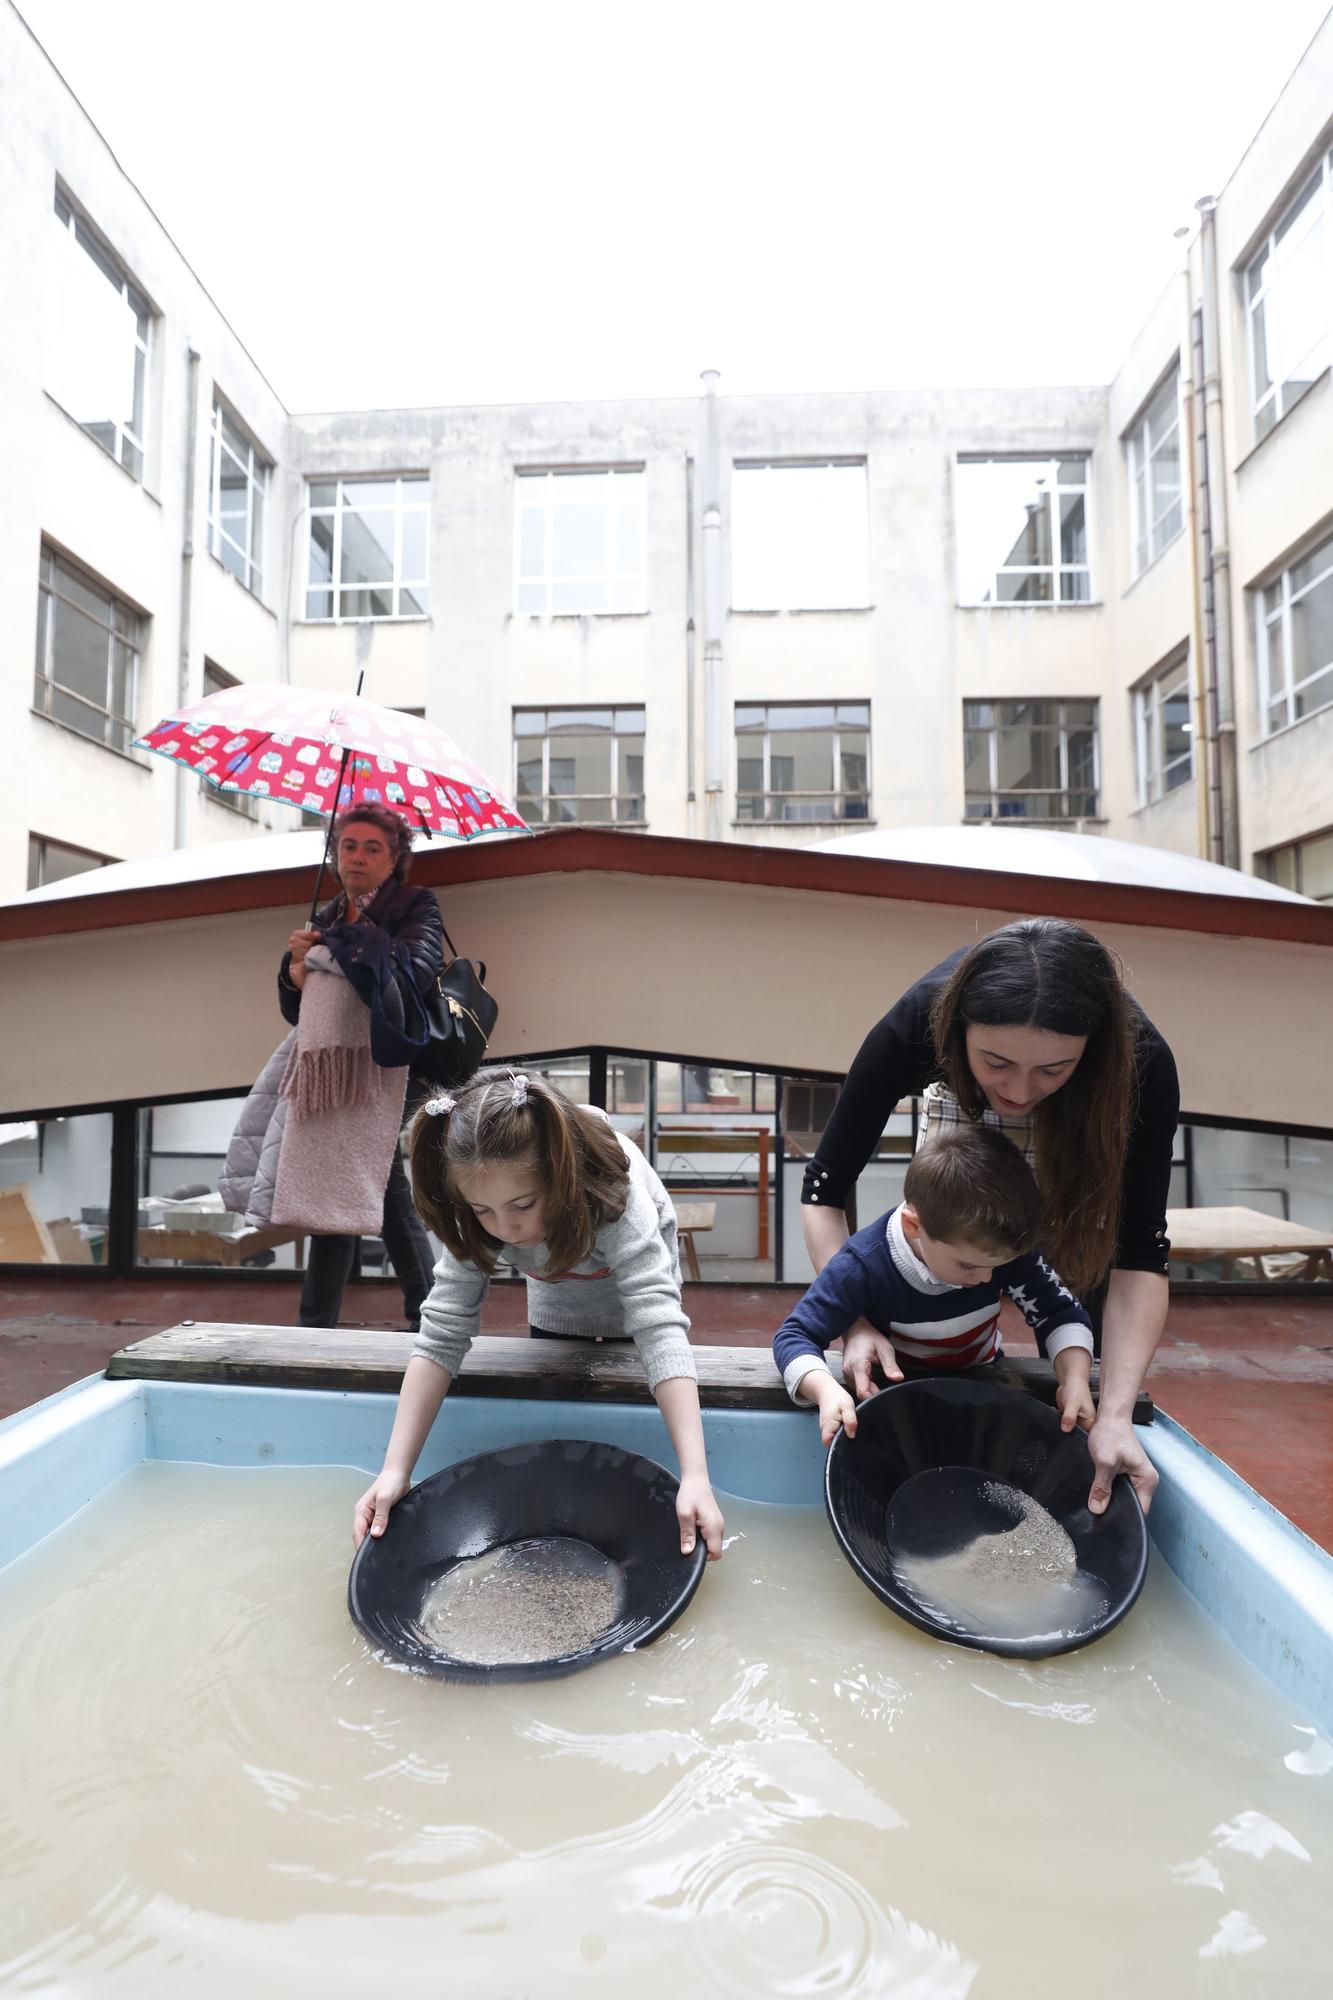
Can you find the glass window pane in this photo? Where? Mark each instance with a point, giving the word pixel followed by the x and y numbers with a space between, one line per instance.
pixel 749 774
pixel 799 537
pixel 801 761
pixel 1316 867
pixel 323 493
pixel 321 550
pixel 1303 573
pixel 529 722
pixel 319 604
pixel 414 603
pixel 1073 529
pixel 530 599
pixel 370 493
pixel 1312 631
pixel 530 775
pixel 365 604
pixel 532 541
pixel 414 545
pixel 55 1184
pixel 1317 693
pixel 80 655
pixel 367 548
pixel 586 596
pixel 580 541
pixel 750 718
pixel 1013 587
pixel 580 719
pixel 1075 586
pixel 78 590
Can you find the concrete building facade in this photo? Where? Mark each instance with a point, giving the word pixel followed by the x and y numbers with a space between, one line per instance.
pixel 759 618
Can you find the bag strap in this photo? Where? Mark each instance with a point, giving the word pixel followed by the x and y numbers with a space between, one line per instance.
pixel 453 948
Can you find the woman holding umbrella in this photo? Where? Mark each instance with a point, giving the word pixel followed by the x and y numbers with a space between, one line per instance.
pixel 1031 1030
pixel 371 854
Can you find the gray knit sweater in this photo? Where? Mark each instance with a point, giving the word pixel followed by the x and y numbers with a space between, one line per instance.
pixel 630 1285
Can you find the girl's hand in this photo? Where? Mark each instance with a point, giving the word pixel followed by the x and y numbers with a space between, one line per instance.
pixel 1073 1388
pixel 371 1516
pixel 695 1505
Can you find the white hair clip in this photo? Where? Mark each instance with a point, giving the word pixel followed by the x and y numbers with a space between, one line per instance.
pixel 435 1107
pixel 520 1083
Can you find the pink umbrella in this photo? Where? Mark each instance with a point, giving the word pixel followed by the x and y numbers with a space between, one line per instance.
pixel 325 753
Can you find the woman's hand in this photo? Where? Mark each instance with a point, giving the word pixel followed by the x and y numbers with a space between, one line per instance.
pixel 1114 1449
pixel 371 1516
pixel 298 944
pixel 862 1347
pixel 696 1507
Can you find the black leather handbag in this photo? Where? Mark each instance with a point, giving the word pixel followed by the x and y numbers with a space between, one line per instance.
pixel 460 1017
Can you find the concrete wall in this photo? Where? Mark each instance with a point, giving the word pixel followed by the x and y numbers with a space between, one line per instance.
pixel 194 1007
pixel 66 489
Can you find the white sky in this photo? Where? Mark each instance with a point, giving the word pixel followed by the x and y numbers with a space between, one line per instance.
pixel 447 201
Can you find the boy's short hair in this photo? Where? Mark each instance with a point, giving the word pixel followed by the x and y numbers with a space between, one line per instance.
pixel 971 1185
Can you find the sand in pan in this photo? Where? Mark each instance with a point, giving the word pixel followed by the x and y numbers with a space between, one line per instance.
pixel 527 1601
pixel 1021 1583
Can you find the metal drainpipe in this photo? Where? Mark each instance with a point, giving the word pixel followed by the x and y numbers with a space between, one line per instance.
pixel 1204 758
pixel 710 483
pixel 187 577
pixel 1226 830
pixel 690 801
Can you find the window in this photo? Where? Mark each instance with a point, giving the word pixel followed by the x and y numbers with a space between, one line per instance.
pixel 799 538
pixel 368 548
pixel 579 764
pixel 246 803
pixel 1303 865
pixel 1163 732
pixel 1023 531
pixel 579 541
pixel 55 860
pixel 1295 645
pixel 1154 475
pixel 803 761
pixel 237 482
pixel 1289 296
pixel 88 649
pixel 1034 760
pixel 99 357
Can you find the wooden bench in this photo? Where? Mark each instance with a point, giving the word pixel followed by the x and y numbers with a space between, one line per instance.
pixel 504 1365
pixel 693 1217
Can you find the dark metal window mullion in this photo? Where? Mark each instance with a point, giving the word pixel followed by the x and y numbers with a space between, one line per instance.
pixel 123 1200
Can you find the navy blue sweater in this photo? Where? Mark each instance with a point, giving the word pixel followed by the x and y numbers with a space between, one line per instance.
pixel 876 1275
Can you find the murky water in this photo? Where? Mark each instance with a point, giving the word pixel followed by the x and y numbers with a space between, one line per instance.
pixel 534 1600
pixel 209 1786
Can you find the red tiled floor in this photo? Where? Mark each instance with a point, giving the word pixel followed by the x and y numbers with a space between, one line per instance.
pixel 1251 1378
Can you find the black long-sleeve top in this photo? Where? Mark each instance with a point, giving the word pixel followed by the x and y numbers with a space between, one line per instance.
pixel 411 915
pixel 897 1060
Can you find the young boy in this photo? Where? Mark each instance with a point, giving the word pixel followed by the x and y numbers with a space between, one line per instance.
pixel 930 1274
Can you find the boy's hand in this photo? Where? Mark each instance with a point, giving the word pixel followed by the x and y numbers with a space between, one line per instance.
pixel 695 1506
pixel 862 1347
pixel 1073 1389
pixel 371 1516
pixel 837 1411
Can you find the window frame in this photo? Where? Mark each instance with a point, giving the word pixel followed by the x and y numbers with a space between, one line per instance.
pixel 1275 253
pixel 83 235
pixel 256 469
pixel 1056 569
pixel 133 638
pixel 795 598
pixel 335 589
pixel 1153 765
pixel 613 798
pixel 997 793
pixel 38 843
pixel 1143 449
pixel 1271 857
pixel 1280 689
pixel 529 480
pixel 767 798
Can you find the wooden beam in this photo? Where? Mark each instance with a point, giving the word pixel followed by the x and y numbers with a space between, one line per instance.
pixel 503 1365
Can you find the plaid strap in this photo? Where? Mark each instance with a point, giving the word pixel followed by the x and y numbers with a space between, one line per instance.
pixel 941 1112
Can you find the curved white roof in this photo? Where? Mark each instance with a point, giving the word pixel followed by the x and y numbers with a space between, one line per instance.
pixel 1074 857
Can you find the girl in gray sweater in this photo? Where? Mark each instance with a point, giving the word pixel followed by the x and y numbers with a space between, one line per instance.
pixel 511 1169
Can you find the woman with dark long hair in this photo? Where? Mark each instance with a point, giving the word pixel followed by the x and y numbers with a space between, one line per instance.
pixel 1031 1030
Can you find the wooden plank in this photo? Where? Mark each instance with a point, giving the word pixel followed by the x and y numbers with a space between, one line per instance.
pixel 1238 1232
pixel 347 1358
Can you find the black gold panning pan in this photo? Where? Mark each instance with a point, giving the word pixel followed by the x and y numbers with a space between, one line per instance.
pixel 926 1502
pixel 566 1507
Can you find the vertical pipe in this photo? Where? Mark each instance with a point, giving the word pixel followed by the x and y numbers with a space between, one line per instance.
pixel 1202 741
pixel 187 578
pixel 691 827
pixel 711 496
pixel 1226 832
